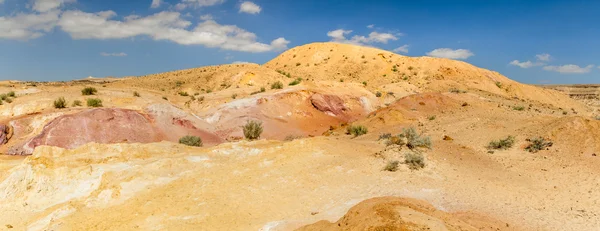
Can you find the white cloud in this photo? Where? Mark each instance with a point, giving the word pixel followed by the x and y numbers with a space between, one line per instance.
pixel 48 5
pixel 526 64
pixel 371 26
pixel 339 35
pixel 402 49
pixel 164 26
pixel 569 69
pixel 450 54
pixel 250 8
pixel 27 26
pixel 155 3
pixel 180 6
pixel 121 54
pixel 206 17
pixel 197 3
pixel 240 62
pixel 543 57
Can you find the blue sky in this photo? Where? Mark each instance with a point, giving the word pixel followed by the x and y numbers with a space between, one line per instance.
pixel 529 41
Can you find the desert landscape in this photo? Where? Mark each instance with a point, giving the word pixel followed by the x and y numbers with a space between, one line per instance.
pixel 326 136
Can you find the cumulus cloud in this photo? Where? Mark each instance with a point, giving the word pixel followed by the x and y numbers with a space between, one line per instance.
pixel 164 26
pixel 526 64
pixel 48 5
pixel 250 8
pixel 450 53
pixel 28 26
pixel 402 49
pixel 371 26
pixel 155 3
pixel 180 6
pixel 339 36
pixel 197 3
pixel 569 69
pixel 121 54
pixel 206 17
pixel 240 62
pixel 543 57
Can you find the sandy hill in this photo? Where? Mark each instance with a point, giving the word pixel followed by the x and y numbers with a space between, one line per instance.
pixel 385 71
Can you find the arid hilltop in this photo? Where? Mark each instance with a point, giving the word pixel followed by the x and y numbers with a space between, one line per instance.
pixel 343 137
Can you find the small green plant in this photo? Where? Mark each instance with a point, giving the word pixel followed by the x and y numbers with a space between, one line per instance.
pixel 3 96
pixel 538 144
pixel 178 83
pixel 298 64
pixel 209 91
pixel 94 102
pixel 183 93
pixel 414 140
pixel 392 166
pixel 295 82
pixel 565 112
pixel 277 85
pixel 263 89
pixel 362 57
pixel 89 91
pixel 394 69
pixel 292 137
pixel 234 96
pixel 8 100
pixel 454 90
pixel 431 117
pixel 499 84
pixel 136 94
pixel 414 160
pixel 12 94
pixel 518 108
pixel 410 68
pixel 503 144
pixel 193 141
pixel 196 93
pixel 385 136
pixel 252 129
pixel 357 130
pixel 378 94
pixel 60 103
pixel 364 83
pixel 77 103
pixel 341 80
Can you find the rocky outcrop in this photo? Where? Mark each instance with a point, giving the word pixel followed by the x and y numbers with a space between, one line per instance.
pixel 330 104
pixel 113 125
pixel 5 133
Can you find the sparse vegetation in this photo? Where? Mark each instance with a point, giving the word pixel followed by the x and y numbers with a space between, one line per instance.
pixel 209 91
pixel 178 83
pixel 8 100
pixel 414 160
pixel 263 89
pixel 503 144
pixel 298 64
pixel 194 141
pixel 252 129
pixel 94 102
pixel 3 96
pixel 410 68
pixel 295 82
pixel 89 91
pixel 183 93
pixel 454 90
pixel 277 85
pixel 378 94
pixel 165 98
pixel 518 108
pixel 385 136
pixel 12 94
pixel 234 96
pixel 364 83
pixel 410 138
pixel 136 94
pixel 392 166
pixel 537 144
pixel 431 117
pixel 292 137
pixel 77 103
pixel 357 130
pixel 60 103
pixel 499 84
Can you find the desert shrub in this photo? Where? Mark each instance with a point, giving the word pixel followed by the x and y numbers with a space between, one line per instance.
pixel 183 93
pixel 392 166
pixel 397 140
pixel 518 108
pixel 414 160
pixel 296 82
pixel 252 129
pixel 341 80
pixel 277 85
pixel 136 94
pixel 8 100
pixel 3 96
pixel 394 69
pixel 263 89
pixel 357 130
pixel 410 68
pixel 565 112
pixel 454 90
pixel 362 57
pixel 499 84
pixel 201 98
pixel 165 98
pixel 378 94
pixel 194 141
pixel 538 144
pixel 414 140
pixel 196 93
pixel 504 144
pixel 385 136
pixel 209 90
pixel 60 103
pixel 234 96
pixel 364 83
pixel 431 117
pixel 178 83
pixel 89 91
pixel 94 102
pixel 77 103
pixel 298 64
pixel 11 94
pixel 292 137
pixel 1 103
